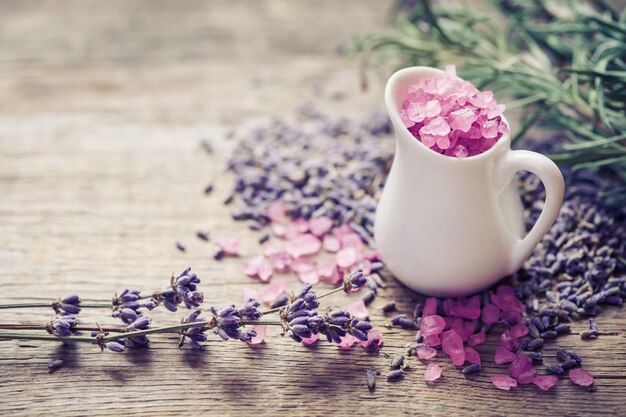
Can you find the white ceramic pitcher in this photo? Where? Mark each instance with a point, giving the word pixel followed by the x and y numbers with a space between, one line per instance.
pixel 450 227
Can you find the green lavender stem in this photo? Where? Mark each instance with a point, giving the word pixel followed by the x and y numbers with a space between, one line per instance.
pixel 165 329
pixel 49 305
pixel 10 326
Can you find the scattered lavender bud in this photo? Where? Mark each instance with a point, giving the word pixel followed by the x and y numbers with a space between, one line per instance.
pixel 569 363
pixel 395 375
pixel 536 356
pixel 575 356
pixel 397 362
pixel 535 344
pixel 555 369
pixel 116 347
pixel 589 334
pixel 354 281
pixel 389 307
pixel 562 355
pixel 533 331
pixel 180 246
pixel 562 328
pixel 264 238
pixel 280 301
pixel 471 369
pixel 368 297
pixel 417 310
pixel 55 364
pixel 370 377
pixel 202 235
pixel 208 189
pixel 549 334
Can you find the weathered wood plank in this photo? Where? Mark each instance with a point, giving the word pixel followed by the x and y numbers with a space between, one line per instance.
pixel 102 105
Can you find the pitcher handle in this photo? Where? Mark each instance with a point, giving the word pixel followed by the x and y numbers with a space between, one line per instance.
pixel 553 182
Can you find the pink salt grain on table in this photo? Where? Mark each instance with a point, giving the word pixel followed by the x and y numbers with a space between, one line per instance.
pixel 451 117
pixel 433 372
pixel 503 382
pixel 581 377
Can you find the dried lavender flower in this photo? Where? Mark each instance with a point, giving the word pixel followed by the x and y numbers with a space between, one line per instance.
pixel 280 301
pixel 354 281
pixel 227 324
pixel 116 347
pixel 555 369
pixel 180 246
pixel 62 325
pixel 194 335
pixel 202 235
pixel 69 305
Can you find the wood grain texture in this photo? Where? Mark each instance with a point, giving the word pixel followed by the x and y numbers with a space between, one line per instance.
pixel 102 106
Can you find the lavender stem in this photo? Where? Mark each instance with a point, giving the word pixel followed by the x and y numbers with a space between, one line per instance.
pixel 49 305
pixel 9 326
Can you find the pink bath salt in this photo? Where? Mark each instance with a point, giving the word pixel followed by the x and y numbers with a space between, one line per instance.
pixel 430 307
pixel 519 330
pixel 265 271
pixel 280 261
pixel 487 144
pixel 320 225
pixel 581 377
pixel 460 327
pixel 303 245
pixel 477 339
pixel 276 212
pixel 342 230
pixel 302 225
pixel 327 270
pixel 452 345
pixel 292 230
pixel 432 325
pixel 489 129
pixel 490 314
pixel 352 240
pixel 374 341
pixel 503 382
pixel 310 341
pixel 467 308
pixel 261 331
pixel 358 310
pixel 482 100
pixel 503 128
pixel 436 127
pixel 494 110
pixel 347 341
pixel 545 382
pixel 309 277
pixel 269 249
pixel 425 353
pixel 346 257
pixel 274 289
pixel 460 151
pixel 331 244
pixel 462 119
pixel 429 140
pixel 432 340
pixel 253 265
pixel 512 318
pixel 471 355
pixel 520 364
pixel 527 377
pixel 443 142
pixel 504 356
pixel 506 299
pixel 509 342
pixel 303 264
pixel 279 230
pixel 474 133
pixel 404 116
pixel 433 372
pixel 229 245
pixel 249 293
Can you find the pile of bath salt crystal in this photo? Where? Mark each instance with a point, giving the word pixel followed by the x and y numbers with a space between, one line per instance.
pixel 451 117
pixel 457 326
pixel 302 240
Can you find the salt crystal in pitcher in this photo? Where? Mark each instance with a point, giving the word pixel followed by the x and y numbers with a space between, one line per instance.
pixel 448 226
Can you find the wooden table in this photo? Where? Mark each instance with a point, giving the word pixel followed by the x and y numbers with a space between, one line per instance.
pixel 102 107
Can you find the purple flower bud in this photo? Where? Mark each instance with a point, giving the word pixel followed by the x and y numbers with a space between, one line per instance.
pixel 140 323
pixel 55 364
pixel 69 308
pixel 114 347
pixel 71 299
